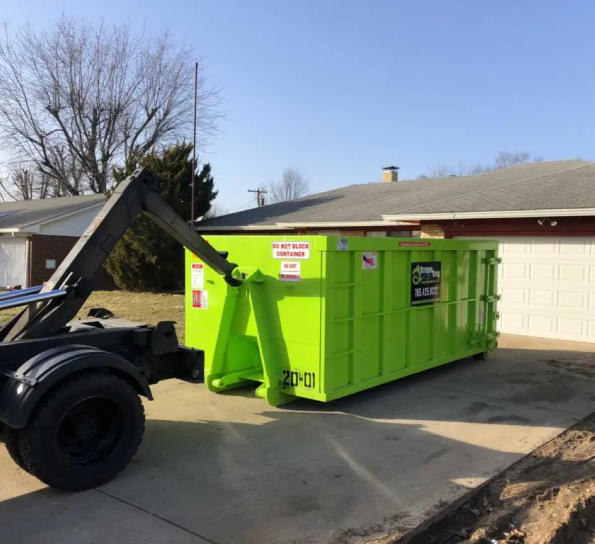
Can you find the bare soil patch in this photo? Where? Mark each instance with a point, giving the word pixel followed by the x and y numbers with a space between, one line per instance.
pixel 548 497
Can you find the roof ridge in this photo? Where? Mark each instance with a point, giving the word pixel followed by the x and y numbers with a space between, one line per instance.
pixel 445 182
pixel 406 210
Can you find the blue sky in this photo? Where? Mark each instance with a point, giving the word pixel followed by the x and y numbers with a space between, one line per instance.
pixel 340 88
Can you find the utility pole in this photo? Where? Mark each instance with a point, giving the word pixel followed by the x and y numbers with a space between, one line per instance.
pixel 259 196
pixel 194 146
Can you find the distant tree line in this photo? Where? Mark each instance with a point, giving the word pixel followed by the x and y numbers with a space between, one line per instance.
pixel 504 159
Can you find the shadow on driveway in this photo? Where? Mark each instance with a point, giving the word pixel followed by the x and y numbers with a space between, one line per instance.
pixel 231 469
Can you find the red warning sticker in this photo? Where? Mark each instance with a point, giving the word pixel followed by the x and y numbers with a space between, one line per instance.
pixel 200 299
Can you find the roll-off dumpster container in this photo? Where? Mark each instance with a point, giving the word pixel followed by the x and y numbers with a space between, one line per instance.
pixel 324 317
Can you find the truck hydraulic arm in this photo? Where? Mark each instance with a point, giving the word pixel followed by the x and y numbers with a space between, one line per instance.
pixel 73 278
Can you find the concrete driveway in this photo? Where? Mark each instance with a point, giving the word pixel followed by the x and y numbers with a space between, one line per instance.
pixel 229 469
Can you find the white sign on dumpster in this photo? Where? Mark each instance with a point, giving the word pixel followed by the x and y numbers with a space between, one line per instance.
pixel 291 271
pixel 291 250
pixel 197 276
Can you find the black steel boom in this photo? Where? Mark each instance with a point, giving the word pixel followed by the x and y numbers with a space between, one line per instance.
pixel 72 282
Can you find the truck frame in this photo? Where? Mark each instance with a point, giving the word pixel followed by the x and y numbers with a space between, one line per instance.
pixel 70 407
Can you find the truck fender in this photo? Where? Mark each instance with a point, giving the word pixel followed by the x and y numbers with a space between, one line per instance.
pixel 28 384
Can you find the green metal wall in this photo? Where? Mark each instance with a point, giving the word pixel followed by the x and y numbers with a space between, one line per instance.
pixel 324 317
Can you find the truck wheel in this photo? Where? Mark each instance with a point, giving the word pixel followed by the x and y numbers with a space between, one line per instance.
pixel 11 441
pixel 84 432
pixel 481 356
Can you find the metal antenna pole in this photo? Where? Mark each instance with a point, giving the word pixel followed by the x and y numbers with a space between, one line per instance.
pixel 194 146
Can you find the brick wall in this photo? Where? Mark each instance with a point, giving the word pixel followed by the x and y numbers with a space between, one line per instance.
pixel 431 231
pixel 55 248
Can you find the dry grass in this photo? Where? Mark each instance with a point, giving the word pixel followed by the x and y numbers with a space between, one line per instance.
pixel 144 307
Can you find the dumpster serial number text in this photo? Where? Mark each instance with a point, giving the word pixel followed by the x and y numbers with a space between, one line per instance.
pixel 295 378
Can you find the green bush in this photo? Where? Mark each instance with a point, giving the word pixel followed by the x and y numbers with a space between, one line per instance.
pixel 147 259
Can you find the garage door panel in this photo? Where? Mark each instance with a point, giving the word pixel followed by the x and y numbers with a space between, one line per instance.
pixel 538 297
pixel 572 300
pixel 541 325
pixel 514 323
pixel 514 271
pixel 543 247
pixel 573 272
pixel 576 246
pixel 542 271
pixel 547 286
pixel 514 295
pixel 570 326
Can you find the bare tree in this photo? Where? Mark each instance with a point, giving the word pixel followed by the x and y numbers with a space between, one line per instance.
pixel 292 185
pixel 78 99
pixel 27 185
pixel 504 159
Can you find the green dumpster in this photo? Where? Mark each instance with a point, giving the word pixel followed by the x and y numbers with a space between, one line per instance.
pixel 323 317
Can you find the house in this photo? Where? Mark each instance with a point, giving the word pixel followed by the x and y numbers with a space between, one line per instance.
pixel 355 210
pixel 543 215
pixel 36 235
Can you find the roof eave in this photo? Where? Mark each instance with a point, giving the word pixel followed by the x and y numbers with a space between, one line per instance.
pixel 215 228
pixel 34 226
pixel 307 225
pixel 516 214
pixel 331 225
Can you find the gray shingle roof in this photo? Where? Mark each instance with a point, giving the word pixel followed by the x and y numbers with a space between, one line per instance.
pixel 566 184
pixel 16 215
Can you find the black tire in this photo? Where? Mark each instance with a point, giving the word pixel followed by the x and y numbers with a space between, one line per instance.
pixel 481 356
pixel 84 433
pixel 11 441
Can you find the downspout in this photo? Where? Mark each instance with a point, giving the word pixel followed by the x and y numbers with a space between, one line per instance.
pixel 28 261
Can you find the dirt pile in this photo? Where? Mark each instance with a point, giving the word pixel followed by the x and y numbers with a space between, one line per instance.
pixel 547 497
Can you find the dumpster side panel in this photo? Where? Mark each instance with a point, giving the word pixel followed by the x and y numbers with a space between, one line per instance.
pixel 375 329
pixel 346 315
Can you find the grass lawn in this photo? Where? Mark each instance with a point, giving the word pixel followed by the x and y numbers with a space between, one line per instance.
pixel 144 307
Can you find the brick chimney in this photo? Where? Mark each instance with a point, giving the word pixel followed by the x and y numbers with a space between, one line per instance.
pixel 390 173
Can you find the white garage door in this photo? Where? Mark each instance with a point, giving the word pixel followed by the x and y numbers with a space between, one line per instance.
pixel 13 262
pixel 547 286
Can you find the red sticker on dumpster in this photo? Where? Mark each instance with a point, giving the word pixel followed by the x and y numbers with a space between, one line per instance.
pixel 370 260
pixel 200 299
pixel 414 244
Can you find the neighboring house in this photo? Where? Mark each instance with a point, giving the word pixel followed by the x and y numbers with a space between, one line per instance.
pixel 36 235
pixel 543 215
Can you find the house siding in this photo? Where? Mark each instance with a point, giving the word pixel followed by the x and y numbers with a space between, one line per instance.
pixel 565 226
pixel 56 248
pixel 74 225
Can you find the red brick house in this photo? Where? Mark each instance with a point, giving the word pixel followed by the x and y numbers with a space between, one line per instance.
pixel 36 235
pixel 543 215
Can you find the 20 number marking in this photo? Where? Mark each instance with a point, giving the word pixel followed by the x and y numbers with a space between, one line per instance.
pixel 295 378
